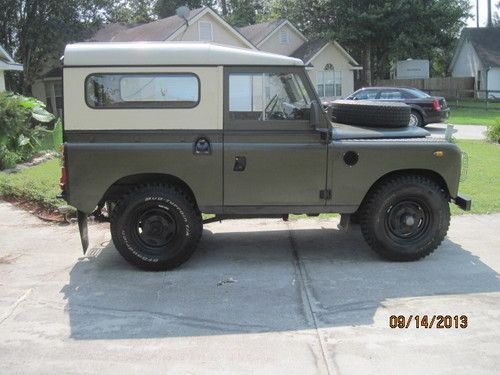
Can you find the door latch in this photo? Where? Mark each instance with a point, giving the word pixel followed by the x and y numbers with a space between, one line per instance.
pixel 240 163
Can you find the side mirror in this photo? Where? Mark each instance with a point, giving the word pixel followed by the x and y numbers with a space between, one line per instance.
pixel 315 115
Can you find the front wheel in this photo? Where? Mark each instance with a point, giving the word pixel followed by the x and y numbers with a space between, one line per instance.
pixel 156 227
pixel 406 218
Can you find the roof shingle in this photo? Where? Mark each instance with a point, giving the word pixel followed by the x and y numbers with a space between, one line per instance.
pixel 486 42
pixel 307 50
pixel 159 30
pixel 258 32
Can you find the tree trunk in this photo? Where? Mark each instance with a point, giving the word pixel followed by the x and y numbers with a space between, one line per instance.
pixel 223 5
pixel 368 64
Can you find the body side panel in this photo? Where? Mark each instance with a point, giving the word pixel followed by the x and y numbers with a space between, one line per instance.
pixel 95 166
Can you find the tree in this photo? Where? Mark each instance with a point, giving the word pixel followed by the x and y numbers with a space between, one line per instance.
pixel 496 16
pixel 243 12
pixel 131 11
pixel 36 31
pixel 379 32
pixel 166 8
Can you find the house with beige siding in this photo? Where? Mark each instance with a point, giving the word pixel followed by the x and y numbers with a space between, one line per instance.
pixel 329 66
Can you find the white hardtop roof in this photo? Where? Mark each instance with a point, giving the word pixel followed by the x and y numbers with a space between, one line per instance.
pixel 168 53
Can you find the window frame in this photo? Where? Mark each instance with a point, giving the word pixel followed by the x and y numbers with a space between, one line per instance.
pixel 268 125
pixel 144 104
pixel 335 74
pixel 211 31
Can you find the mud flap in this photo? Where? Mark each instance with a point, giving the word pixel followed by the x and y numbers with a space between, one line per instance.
pixel 84 232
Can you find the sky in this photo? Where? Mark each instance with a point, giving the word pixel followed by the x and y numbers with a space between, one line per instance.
pixel 483 12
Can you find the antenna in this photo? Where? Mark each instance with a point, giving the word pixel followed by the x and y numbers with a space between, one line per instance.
pixel 183 12
pixel 477 13
pixel 489 24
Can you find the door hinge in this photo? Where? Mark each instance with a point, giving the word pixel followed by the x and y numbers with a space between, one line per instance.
pixel 325 194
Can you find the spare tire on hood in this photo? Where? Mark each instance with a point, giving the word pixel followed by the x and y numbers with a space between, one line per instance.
pixel 371 114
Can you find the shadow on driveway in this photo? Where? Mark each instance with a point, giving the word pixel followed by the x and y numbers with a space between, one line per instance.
pixel 270 282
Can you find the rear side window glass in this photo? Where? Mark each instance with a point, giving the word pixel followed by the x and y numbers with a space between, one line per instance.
pixel 391 95
pixel 142 90
pixel 365 95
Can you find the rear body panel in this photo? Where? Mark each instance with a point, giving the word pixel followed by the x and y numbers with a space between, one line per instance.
pixel 98 159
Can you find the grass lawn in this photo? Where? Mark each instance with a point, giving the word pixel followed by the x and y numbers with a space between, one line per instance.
pixel 40 184
pixel 473 116
pixel 482 183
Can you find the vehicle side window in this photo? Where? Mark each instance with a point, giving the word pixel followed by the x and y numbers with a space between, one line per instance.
pixel 268 96
pixel 142 90
pixel 390 95
pixel 366 95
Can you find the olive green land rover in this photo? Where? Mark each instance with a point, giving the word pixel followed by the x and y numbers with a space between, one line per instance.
pixel 157 133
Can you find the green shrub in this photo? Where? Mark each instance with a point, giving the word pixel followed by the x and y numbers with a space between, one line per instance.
pixel 57 135
pixel 493 132
pixel 20 128
pixel 8 159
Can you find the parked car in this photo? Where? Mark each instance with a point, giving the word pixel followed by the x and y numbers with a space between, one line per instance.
pixel 186 128
pixel 425 109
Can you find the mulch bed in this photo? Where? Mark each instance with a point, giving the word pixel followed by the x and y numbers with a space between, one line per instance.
pixel 43 213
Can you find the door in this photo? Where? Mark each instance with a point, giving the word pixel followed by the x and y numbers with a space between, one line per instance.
pixel 273 156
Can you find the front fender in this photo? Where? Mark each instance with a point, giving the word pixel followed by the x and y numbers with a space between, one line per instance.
pixel 381 157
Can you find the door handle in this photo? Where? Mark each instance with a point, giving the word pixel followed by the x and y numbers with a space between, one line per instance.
pixel 240 163
pixel 202 147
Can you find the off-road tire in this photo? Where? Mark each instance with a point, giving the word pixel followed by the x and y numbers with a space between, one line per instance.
pixel 408 196
pixel 368 113
pixel 156 227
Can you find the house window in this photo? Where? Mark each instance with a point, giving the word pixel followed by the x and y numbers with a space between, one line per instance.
pixel 205 31
pixel 142 90
pixel 284 36
pixel 329 83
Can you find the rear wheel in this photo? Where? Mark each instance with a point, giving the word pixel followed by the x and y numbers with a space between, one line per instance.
pixel 156 227
pixel 406 218
pixel 416 119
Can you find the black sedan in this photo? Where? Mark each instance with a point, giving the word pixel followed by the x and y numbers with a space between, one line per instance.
pixel 425 109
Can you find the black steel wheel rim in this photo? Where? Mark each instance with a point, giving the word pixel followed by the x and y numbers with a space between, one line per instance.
pixel 155 228
pixel 407 221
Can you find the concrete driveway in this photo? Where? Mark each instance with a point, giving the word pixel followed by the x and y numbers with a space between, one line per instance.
pixel 477 132
pixel 259 296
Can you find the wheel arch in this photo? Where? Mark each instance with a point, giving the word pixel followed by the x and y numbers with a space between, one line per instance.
pixel 429 173
pixel 124 184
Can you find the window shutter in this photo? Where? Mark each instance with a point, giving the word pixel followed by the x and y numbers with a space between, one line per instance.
pixel 205 31
pixel 284 37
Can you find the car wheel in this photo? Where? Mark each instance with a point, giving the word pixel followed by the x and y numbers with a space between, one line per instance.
pixel 156 227
pixel 416 119
pixel 406 218
pixel 368 113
